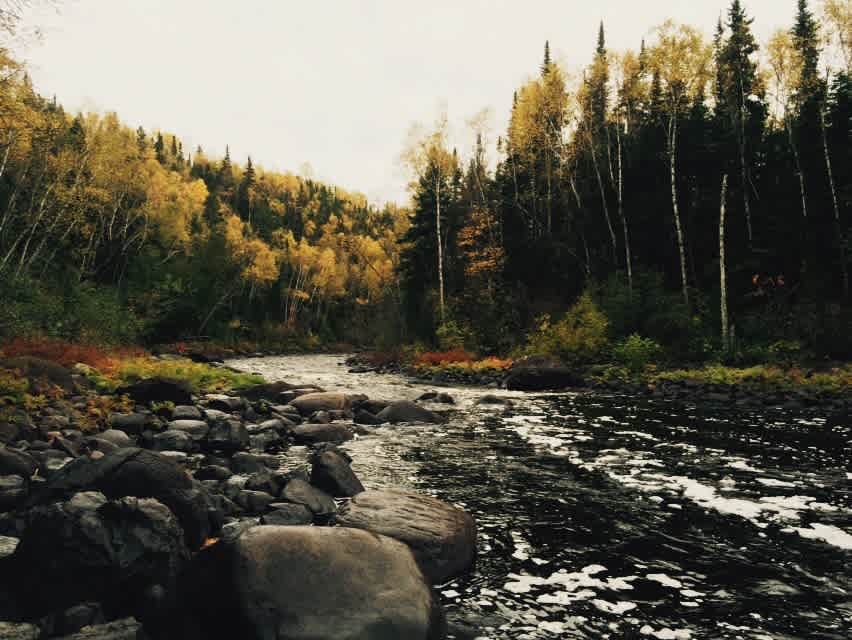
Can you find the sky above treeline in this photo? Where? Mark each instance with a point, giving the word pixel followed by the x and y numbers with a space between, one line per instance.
pixel 330 84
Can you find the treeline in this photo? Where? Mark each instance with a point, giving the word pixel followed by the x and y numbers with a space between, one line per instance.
pixel 113 235
pixel 631 179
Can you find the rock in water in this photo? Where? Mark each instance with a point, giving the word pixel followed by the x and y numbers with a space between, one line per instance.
pixel 315 433
pixel 441 536
pixel 308 582
pixel 407 411
pixel 331 473
pixel 327 401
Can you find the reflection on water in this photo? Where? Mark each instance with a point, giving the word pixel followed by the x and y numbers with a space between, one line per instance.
pixel 620 517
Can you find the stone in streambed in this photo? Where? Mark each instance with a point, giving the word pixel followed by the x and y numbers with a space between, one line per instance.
pixel 441 536
pixel 407 411
pixel 326 401
pixel 331 472
pixel 316 433
pixel 298 491
pixel 308 582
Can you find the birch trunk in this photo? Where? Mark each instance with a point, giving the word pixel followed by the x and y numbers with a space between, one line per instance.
pixel 603 198
pixel 678 229
pixel 723 284
pixel 440 248
pixel 843 267
pixel 621 214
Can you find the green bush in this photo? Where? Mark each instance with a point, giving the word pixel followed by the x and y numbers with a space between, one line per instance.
pixel 580 337
pixel 636 352
pixel 453 335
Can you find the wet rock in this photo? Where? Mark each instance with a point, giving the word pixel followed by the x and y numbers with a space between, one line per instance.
pixel 124 629
pixel 19 631
pixel 186 412
pixel 407 411
pixel 13 462
pixel 243 462
pixel 320 417
pixel 267 391
pixel 132 423
pixel 298 491
pixel 221 402
pixel 228 436
pixel 253 501
pixel 437 396
pixel 213 472
pixel 93 549
pixel 116 437
pixel 315 433
pixel 362 416
pixel 287 514
pixel 8 545
pixel 173 440
pixel 73 619
pixel 490 399
pixel 330 471
pixel 441 536
pixel 267 481
pixel 313 402
pixel 308 582
pixel 9 431
pixel 13 492
pixel 372 406
pixel 234 530
pixel 157 390
pixel 195 429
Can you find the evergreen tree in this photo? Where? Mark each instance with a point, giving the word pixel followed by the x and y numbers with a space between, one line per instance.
pixel 160 148
pixel 546 63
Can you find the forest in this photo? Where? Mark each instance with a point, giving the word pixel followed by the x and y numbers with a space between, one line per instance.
pixel 684 201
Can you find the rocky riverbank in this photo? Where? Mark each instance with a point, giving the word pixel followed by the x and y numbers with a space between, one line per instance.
pixel 226 516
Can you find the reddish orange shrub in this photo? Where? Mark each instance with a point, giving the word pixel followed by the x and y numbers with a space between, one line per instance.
pixel 437 358
pixel 67 353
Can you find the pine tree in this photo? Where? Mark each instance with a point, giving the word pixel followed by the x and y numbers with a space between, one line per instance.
pixel 599 84
pixel 141 140
pixel 160 149
pixel 546 63
pixel 806 41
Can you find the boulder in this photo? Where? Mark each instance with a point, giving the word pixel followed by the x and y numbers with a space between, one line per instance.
pixel 307 582
pixel 243 462
pixel 320 503
pixel 19 631
pixel 172 440
pixel 490 399
pixel 312 402
pixel 330 471
pixel 222 402
pixel 437 396
pixel 373 406
pixel 441 536
pixel 13 492
pixel 315 433
pixel 90 548
pixel 254 501
pixel 116 437
pixel 287 514
pixel 7 547
pixel 142 474
pixel 186 412
pixel 228 436
pixel 213 472
pixel 362 416
pixel 407 411
pixel 195 429
pixel 158 390
pixel 124 629
pixel 268 391
pixel 543 379
pixel 132 423
pixel 17 463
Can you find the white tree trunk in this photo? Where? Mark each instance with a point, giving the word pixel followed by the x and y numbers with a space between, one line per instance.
pixel 723 278
pixel 678 229
pixel 603 198
pixel 440 247
pixel 621 213
pixel 843 267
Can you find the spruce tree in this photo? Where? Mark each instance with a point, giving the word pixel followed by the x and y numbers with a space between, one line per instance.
pixel 546 63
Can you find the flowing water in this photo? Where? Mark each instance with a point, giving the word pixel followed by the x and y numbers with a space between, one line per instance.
pixel 605 516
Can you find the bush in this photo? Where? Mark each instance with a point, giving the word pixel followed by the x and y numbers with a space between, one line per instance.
pixel 438 358
pixel 580 337
pixel 453 336
pixel 13 388
pixel 636 352
pixel 66 353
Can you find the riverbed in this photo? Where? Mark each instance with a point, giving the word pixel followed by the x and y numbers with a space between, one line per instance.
pixel 606 516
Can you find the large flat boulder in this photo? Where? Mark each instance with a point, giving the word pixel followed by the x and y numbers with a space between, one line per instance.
pixel 158 390
pixel 407 411
pixel 310 403
pixel 534 378
pixel 316 433
pixel 441 536
pixel 308 583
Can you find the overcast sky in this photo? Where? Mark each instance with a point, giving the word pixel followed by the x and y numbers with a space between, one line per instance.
pixel 335 84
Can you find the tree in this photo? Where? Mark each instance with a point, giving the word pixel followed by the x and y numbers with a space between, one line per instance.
pixel 681 58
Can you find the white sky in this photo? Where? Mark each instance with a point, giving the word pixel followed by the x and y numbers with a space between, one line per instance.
pixel 336 84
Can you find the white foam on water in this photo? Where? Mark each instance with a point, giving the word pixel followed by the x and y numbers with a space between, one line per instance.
pixel 664 580
pixel 616 608
pixel 826 533
pixel 772 482
pixel 666 633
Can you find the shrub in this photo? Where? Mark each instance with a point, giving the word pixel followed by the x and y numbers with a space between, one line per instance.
pixel 636 352
pixel 580 337
pixel 453 336
pixel 438 358
pixel 13 388
pixel 66 353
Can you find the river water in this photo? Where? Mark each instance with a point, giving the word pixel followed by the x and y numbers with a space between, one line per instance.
pixel 605 516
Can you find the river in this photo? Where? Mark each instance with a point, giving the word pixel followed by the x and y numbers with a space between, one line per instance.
pixel 604 516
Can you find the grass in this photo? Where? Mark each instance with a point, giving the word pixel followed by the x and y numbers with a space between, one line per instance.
pixel 835 380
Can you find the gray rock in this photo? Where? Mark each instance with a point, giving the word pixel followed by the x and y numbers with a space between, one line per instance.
pixel 7 548
pixel 213 472
pixel 287 514
pixel 124 629
pixel 228 436
pixel 13 492
pixel 195 429
pixel 315 433
pixel 19 631
pixel 310 403
pixel 17 463
pixel 186 412
pixel 158 390
pixel 309 582
pixel 362 416
pixel 298 491
pixel 243 462
pixel 254 501
pixel 117 437
pixel 407 411
pixel 331 472
pixel 224 402
pixel 132 423
pixel 173 440
pixel 441 536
